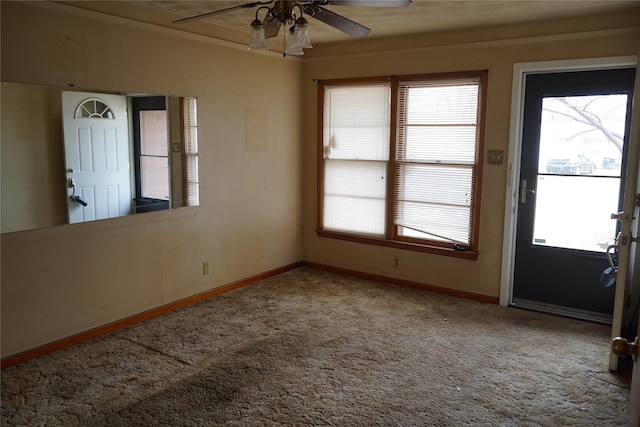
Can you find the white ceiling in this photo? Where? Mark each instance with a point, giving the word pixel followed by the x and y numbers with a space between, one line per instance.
pixel 420 17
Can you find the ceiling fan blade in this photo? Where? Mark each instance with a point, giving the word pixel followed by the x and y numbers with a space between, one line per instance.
pixel 216 12
pixel 374 3
pixel 271 28
pixel 339 22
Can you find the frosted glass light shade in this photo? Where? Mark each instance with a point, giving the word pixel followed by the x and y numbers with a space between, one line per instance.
pixel 301 34
pixel 257 40
pixel 290 45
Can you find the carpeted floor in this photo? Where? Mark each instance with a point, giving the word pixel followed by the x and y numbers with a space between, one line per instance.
pixel 313 348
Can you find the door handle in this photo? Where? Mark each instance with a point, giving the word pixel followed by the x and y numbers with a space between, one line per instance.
pixel 523 191
pixel 621 216
pixel 623 348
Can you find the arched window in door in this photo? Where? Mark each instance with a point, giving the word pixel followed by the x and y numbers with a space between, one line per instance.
pixel 93 108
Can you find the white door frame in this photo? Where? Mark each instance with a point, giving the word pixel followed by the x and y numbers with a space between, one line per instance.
pixel 520 71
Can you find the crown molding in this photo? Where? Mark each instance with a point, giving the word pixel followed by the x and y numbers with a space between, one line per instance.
pixel 513 41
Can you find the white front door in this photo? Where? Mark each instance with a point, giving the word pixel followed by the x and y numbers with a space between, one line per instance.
pixel 96 142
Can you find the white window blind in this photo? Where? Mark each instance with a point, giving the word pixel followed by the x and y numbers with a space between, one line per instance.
pixel 356 125
pixel 192 185
pixel 436 159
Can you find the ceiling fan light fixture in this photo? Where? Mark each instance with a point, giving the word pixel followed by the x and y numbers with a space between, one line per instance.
pixel 257 39
pixel 301 34
pixel 286 12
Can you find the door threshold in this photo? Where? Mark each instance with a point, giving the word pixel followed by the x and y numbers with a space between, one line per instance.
pixel 573 313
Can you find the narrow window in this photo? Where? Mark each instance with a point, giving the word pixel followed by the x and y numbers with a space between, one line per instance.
pixel 191 190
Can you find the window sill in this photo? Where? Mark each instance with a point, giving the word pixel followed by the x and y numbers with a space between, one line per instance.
pixel 436 250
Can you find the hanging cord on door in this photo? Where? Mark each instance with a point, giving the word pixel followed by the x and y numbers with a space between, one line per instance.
pixel 608 277
pixel 73 196
pixel 600 374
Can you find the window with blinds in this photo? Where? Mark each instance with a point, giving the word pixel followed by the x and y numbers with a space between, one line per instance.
pixel 356 152
pixel 401 160
pixel 191 190
pixel 436 159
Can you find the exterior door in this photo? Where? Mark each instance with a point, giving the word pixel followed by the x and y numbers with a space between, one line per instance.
pixel 151 153
pixel 575 137
pixel 97 155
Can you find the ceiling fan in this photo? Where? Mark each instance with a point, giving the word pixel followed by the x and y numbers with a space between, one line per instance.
pixel 291 12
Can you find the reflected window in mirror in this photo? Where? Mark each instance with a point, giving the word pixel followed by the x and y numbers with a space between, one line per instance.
pixel 190 128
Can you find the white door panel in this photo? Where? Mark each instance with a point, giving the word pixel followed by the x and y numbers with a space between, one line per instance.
pixel 97 155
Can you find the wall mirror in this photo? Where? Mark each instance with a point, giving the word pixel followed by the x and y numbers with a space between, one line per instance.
pixel 72 156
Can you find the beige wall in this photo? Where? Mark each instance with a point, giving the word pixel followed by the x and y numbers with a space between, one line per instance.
pixel 63 280
pixel 495 49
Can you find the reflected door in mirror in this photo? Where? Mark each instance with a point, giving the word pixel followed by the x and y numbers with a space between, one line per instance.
pixel 97 155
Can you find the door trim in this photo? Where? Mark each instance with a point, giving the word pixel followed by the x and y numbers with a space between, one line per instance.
pixel 520 71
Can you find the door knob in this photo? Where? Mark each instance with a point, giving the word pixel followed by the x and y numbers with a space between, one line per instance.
pixel 621 347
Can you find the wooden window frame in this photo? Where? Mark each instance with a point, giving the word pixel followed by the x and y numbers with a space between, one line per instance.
pixel 391 238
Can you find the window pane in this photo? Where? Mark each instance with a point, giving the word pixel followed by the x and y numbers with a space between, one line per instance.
pixel 153 133
pixel 193 194
pixel 354 196
pixel 190 112
pixel 356 122
pixel 192 172
pixel 434 200
pixel 448 144
pixel 439 103
pixel 582 135
pixel 191 140
pixel 435 222
pixel 435 184
pixel 155 177
pixel 575 212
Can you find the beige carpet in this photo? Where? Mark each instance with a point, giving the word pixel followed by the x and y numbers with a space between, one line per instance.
pixel 313 348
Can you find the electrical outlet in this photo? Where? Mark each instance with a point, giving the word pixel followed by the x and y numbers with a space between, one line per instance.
pixel 396 262
pixel 205 268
